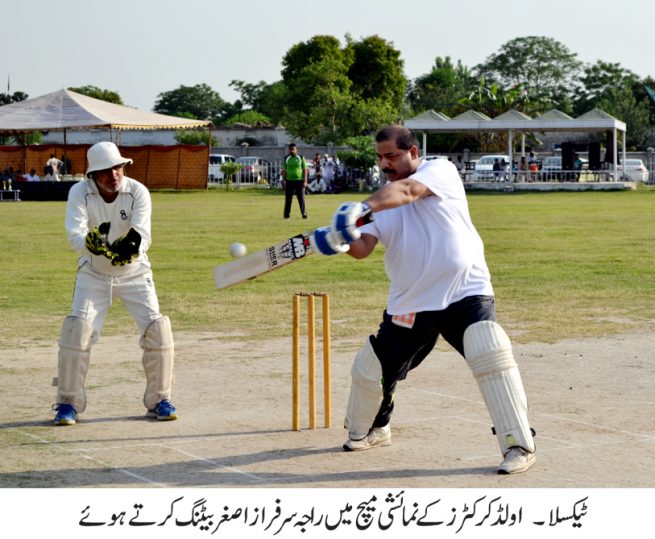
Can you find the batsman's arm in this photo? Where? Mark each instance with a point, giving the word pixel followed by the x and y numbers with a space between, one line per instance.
pixel 363 246
pixel 397 193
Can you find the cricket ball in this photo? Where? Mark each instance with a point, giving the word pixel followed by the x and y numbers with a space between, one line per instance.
pixel 237 250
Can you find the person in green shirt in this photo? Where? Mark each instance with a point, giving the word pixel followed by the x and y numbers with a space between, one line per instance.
pixel 294 180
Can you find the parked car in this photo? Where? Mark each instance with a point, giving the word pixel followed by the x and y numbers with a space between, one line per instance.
pixel 215 162
pixel 253 169
pixel 634 170
pixel 484 167
pixel 551 168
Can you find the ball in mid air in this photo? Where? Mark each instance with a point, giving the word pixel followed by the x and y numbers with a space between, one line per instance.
pixel 237 250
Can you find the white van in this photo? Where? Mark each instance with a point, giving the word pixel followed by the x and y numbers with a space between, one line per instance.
pixel 215 162
pixel 484 168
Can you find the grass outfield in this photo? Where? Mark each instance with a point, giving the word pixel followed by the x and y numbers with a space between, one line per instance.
pixel 563 265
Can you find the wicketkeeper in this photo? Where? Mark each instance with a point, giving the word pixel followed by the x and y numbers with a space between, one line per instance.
pixel 108 224
pixel 440 285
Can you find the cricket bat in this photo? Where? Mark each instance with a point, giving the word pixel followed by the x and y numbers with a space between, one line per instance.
pixel 269 259
pixel 274 257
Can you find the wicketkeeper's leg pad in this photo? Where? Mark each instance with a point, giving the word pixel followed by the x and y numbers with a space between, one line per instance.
pixel 365 392
pixel 488 352
pixel 73 362
pixel 158 357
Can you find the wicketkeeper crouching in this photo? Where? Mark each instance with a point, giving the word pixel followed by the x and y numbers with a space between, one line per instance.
pixel 108 224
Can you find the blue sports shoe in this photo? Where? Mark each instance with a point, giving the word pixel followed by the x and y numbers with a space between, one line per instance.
pixel 164 411
pixel 65 414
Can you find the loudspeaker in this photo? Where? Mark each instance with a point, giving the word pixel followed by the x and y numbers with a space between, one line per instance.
pixel 594 156
pixel 609 147
pixel 568 156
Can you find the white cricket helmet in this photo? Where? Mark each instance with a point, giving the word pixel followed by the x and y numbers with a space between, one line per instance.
pixel 104 155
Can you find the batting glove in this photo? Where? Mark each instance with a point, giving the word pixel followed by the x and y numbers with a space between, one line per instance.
pixel 348 218
pixel 325 242
pixel 96 240
pixel 126 248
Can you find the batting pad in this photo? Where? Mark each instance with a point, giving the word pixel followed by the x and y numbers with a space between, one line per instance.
pixel 365 392
pixel 488 352
pixel 158 355
pixel 73 362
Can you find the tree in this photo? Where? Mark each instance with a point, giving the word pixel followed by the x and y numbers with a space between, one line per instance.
pixel 317 96
pixel 267 99
pixel 199 102
pixel 600 81
pixel 362 155
pixel 442 89
pixel 327 99
pixel 251 118
pixel 7 99
pixel 195 137
pixel 376 71
pixel 544 68
pixel 98 93
pixel 622 104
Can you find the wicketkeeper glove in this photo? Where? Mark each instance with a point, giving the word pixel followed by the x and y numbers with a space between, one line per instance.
pixel 348 218
pixel 96 240
pixel 126 248
pixel 325 242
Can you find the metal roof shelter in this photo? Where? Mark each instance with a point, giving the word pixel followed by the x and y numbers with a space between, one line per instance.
pixel 64 109
pixel 515 122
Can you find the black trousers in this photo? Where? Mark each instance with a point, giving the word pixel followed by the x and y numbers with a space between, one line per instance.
pixel 402 349
pixel 294 187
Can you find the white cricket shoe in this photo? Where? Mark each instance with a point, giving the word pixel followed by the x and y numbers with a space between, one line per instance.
pixel 516 460
pixel 377 437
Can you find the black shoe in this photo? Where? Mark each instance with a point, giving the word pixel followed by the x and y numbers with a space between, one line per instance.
pixel 304 216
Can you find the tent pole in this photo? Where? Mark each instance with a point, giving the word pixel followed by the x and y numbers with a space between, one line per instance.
pixel 623 139
pixel 615 152
pixel 511 156
pixel 65 160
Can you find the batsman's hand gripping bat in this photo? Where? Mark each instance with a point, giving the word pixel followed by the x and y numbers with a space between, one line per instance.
pixel 274 257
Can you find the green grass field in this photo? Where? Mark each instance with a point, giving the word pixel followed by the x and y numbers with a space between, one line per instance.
pixel 563 265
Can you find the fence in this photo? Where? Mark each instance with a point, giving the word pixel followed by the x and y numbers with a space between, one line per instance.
pixel 161 167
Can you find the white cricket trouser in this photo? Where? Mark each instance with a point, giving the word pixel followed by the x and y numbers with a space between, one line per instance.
pixel 95 292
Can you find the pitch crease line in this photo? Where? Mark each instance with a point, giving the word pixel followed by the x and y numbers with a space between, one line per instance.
pixel 218 464
pixel 89 457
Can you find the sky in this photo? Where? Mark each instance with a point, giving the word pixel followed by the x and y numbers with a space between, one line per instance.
pixel 141 48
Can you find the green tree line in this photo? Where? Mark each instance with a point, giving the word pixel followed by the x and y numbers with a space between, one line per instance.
pixel 331 91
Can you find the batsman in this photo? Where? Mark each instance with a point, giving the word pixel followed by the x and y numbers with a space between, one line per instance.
pixel 108 224
pixel 440 286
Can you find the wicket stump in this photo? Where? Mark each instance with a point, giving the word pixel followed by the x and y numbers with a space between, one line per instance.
pixel 311 359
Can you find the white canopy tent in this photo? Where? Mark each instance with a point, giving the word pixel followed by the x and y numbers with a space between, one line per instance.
pixel 63 109
pixel 515 122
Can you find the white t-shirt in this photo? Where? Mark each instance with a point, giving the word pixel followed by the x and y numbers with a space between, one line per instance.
pixel 434 256
pixel 86 209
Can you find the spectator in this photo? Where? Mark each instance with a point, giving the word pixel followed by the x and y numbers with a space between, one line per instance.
pixel 48 175
pixel 461 167
pixel 496 169
pixel 32 177
pixel 55 164
pixel 523 169
pixel 503 170
pixel 66 165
